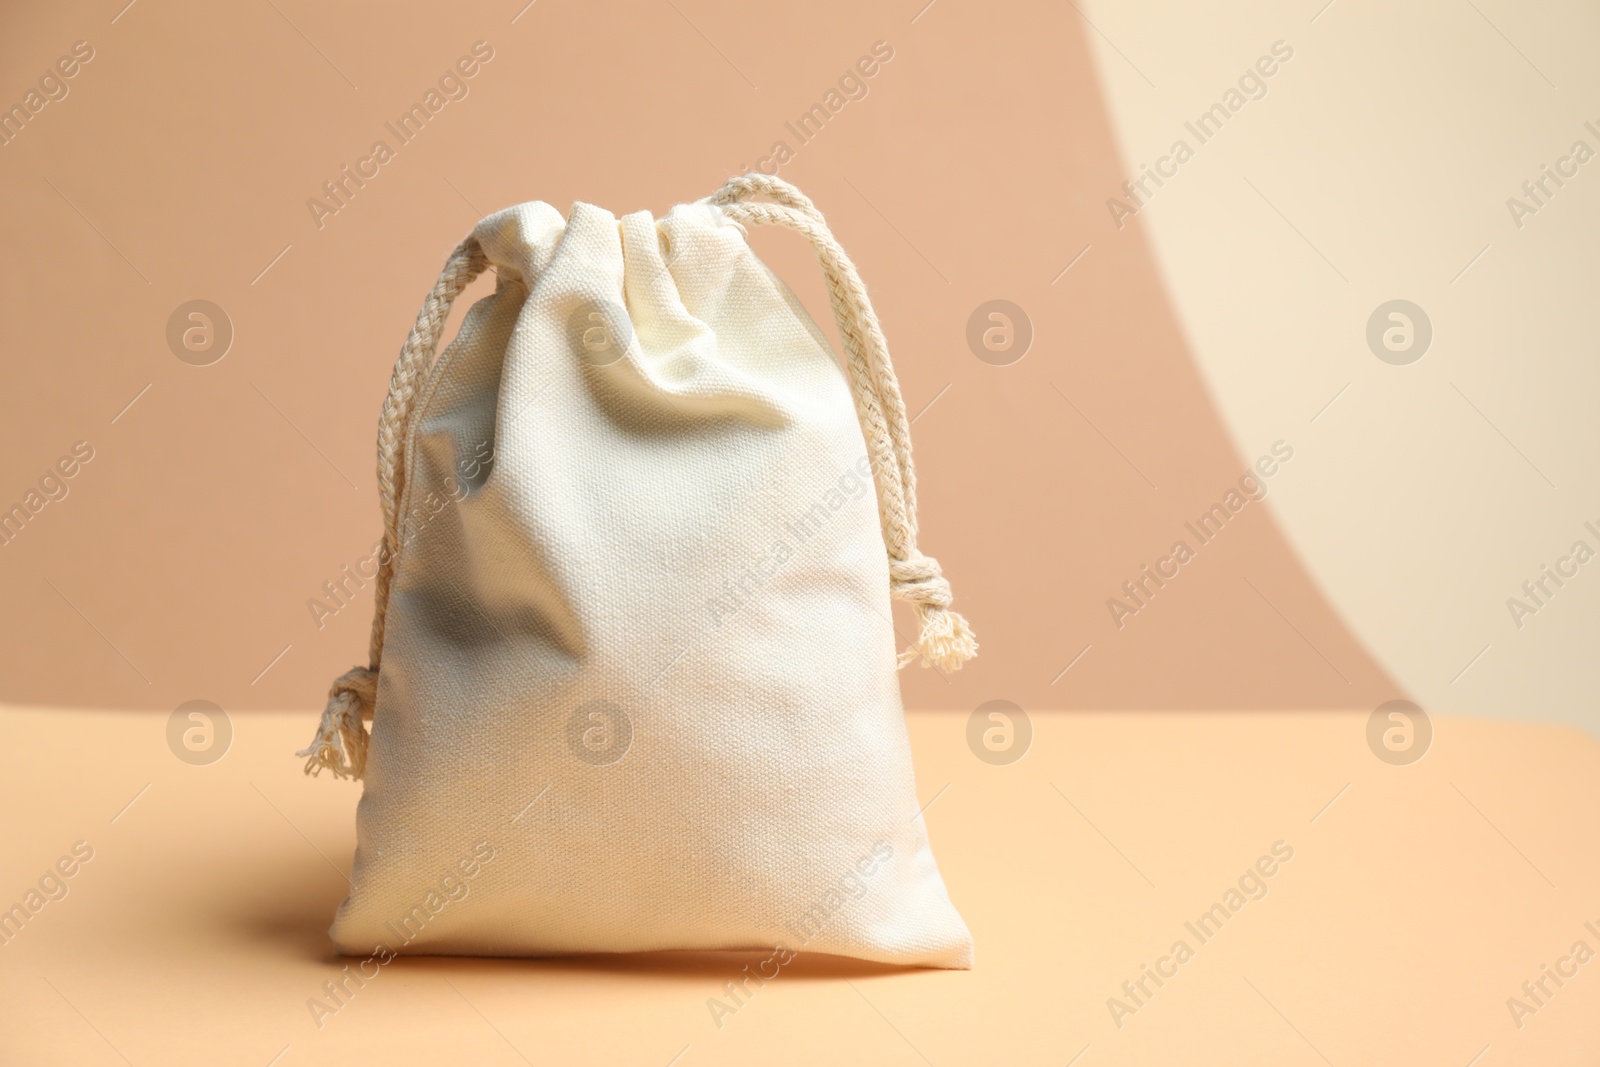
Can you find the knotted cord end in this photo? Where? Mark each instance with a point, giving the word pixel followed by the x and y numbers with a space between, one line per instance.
pixel 341 741
pixel 944 640
pixel 943 637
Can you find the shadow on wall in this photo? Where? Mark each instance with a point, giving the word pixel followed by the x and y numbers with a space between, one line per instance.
pixel 1114 547
pixel 1108 540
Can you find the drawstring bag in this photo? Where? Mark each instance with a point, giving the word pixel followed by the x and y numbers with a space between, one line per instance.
pixel 632 676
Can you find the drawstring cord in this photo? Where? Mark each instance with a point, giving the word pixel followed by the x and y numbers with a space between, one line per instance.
pixel 943 637
pixel 341 741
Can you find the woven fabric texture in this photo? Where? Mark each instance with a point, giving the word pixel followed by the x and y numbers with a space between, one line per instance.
pixel 638 677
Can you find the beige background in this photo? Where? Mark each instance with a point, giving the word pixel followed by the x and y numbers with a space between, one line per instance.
pixel 180 565
pixel 1427 494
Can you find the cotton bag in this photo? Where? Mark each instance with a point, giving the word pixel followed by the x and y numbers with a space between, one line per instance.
pixel 637 685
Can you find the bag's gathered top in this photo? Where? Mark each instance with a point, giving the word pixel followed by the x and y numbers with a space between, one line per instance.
pixel 943 636
pixel 633 656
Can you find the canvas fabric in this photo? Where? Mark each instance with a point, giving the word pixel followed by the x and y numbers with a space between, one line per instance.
pixel 633 680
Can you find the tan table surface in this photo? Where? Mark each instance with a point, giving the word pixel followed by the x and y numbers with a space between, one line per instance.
pixel 1419 899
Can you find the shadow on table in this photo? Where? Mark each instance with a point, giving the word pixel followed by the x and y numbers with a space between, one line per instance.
pixel 714 966
pixel 286 906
